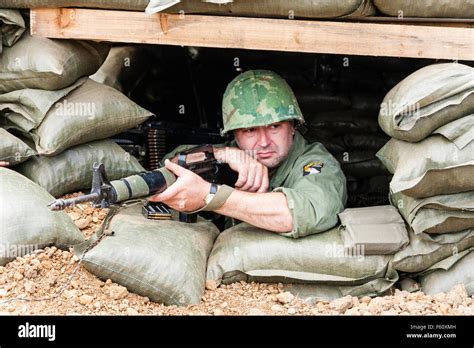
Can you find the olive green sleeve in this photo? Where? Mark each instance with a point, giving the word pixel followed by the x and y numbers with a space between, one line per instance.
pixel 315 199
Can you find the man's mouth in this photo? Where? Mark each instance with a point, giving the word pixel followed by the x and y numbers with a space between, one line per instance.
pixel 264 155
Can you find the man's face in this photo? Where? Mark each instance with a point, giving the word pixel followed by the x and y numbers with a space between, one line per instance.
pixel 270 144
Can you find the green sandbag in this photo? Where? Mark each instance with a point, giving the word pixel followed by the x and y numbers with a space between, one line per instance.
pixel 72 170
pixel 268 8
pixel 12 27
pixel 131 5
pixel 12 149
pixel 450 272
pixel 91 112
pixel 425 250
pixel 437 214
pixel 427 8
pixel 434 166
pixel 163 260
pixel 27 223
pixel 37 62
pixel 426 100
pixel 248 253
pixel 25 109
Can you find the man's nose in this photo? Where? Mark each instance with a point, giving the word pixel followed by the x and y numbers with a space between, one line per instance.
pixel 263 138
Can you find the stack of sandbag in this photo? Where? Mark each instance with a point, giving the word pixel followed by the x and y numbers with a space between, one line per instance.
pixel 48 100
pixel 430 116
pixel 427 8
pixel 27 223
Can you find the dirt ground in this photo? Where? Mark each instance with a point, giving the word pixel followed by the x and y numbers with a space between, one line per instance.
pixel 49 282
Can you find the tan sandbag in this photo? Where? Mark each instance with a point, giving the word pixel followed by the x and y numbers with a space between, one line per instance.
pixel 378 230
pixel 426 100
pixel 460 132
pixel 27 223
pixel 41 63
pixel 131 5
pixel 427 8
pixel 425 250
pixel 72 169
pixel 267 8
pixel 434 166
pixel 91 112
pixel 12 26
pixel 445 275
pixel 248 253
pixel 437 214
pixel 163 260
pixel 12 149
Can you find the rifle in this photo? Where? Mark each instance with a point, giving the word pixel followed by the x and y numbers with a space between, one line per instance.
pixel 199 159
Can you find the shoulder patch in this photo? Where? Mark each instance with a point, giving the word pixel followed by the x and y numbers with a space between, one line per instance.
pixel 313 168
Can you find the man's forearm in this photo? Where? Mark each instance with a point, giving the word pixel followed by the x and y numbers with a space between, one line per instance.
pixel 265 210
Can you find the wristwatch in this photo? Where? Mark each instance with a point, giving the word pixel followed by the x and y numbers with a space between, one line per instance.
pixel 212 192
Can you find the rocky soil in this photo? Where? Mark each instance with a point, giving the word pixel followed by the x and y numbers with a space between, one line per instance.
pixel 50 282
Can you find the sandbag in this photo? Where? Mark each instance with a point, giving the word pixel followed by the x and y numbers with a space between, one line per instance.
pixel 123 68
pixel 25 109
pixel 460 132
pixel 379 230
pixel 27 223
pixel 41 63
pixel 425 250
pixel 427 8
pixel 426 100
pixel 163 260
pixel 12 27
pixel 449 273
pixel 268 8
pixel 72 169
pixel 434 166
pixel 247 253
pixel 361 164
pixel 365 141
pixel 311 100
pixel 437 214
pixel 12 149
pixel 91 112
pixel 131 5
pixel 342 122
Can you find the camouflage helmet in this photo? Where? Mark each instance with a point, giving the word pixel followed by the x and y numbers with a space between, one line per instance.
pixel 258 98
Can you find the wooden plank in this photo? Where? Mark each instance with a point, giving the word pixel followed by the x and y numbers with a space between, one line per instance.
pixel 371 39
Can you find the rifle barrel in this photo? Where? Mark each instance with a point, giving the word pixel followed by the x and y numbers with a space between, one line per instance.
pixel 61 204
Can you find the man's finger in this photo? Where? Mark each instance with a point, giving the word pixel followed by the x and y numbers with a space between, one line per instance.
pixel 176 169
pixel 166 194
pixel 250 178
pixel 242 178
pixel 258 179
pixel 265 181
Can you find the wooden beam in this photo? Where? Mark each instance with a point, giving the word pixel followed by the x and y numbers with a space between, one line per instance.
pixel 371 39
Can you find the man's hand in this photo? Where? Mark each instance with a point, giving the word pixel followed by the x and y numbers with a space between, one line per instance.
pixel 253 175
pixel 187 193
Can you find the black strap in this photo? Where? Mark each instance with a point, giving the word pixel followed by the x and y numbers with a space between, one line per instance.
pixel 129 188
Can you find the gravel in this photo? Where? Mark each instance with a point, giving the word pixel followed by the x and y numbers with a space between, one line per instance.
pixel 44 274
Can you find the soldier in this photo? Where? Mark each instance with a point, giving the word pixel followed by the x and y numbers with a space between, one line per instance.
pixel 284 185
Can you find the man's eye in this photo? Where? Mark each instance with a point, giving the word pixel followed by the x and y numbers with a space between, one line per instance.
pixel 275 126
pixel 249 130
